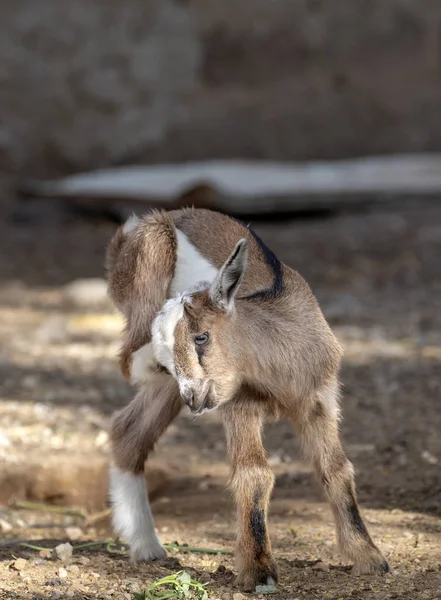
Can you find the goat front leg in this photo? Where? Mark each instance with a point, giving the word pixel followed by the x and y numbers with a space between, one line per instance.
pixel 319 432
pixel 252 482
pixel 134 432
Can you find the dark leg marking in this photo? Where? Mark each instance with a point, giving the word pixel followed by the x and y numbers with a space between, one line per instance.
pixel 318 412
pixel 258 529
pixel 356 519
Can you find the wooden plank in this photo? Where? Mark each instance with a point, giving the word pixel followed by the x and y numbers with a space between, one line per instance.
pixel 244 187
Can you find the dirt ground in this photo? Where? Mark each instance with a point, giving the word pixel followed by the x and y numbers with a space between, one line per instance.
pixel 377 276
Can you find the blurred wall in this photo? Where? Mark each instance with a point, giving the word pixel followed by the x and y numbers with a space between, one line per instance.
pixel 86 83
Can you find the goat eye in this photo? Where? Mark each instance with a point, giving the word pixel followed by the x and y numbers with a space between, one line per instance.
pixel 202 339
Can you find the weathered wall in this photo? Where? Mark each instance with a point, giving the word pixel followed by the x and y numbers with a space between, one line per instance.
pixel 85 83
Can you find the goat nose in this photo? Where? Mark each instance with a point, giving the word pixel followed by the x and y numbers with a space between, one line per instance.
pixel 188 397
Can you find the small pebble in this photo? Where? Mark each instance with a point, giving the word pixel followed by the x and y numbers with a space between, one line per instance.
pixel 19 564
pixel 64 551
pixel 62 572
pixel 320 566
pixel 73 568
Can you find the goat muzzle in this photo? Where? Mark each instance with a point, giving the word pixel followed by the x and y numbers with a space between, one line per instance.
pixel 198 398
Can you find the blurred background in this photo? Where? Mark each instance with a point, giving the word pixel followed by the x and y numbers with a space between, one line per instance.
pixel 89 84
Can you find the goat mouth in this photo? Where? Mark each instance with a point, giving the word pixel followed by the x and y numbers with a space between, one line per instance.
pixel 205 404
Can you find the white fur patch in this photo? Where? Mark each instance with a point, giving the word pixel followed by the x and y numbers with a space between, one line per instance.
pixel 191 267
pixel 175 311
pixel 163 332
pixel 143 360
pixel 193 273
pixel 132 517
pixel 131 223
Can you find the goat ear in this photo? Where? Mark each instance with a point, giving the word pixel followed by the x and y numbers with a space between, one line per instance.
pixel 224 287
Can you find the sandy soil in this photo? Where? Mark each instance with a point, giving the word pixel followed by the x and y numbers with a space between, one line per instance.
pixel 377 276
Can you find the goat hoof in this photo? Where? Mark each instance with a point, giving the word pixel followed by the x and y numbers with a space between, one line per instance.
pixel 257 575
pixel 148 552
pixel 375 564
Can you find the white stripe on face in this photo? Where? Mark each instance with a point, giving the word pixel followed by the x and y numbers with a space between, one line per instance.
pixel 163 332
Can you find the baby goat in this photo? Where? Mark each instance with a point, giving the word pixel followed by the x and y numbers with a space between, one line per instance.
pixel 241 332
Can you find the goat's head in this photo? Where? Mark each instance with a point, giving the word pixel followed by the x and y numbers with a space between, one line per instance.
pixel 192 337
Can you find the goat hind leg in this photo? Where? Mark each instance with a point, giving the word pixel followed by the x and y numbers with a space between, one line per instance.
pixel 134 432
pixel 321 442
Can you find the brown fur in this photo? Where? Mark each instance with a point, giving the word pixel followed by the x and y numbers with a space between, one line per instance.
pixel 273 355
pixel 199 226
pixel 137 427
pixel 140 267
pixel 251 483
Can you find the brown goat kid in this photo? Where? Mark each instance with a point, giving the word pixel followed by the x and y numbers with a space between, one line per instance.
pixel 214 319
